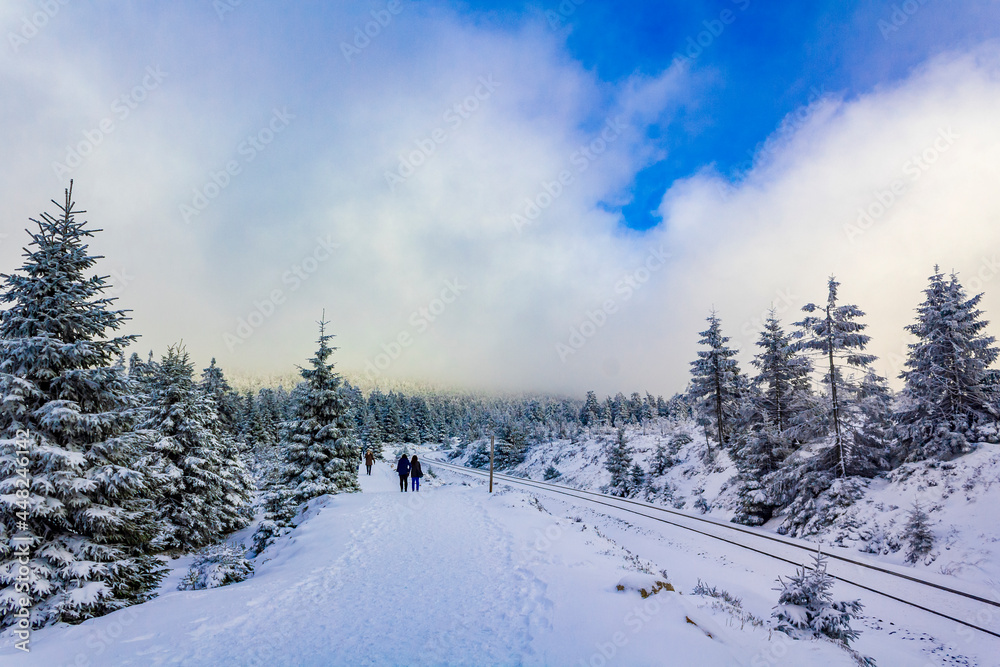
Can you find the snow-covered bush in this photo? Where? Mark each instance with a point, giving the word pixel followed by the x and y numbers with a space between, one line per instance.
pixel 550 473
pixel 218 565
pixel 806 607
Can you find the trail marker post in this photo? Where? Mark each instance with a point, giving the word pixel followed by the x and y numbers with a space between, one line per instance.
pixel 491 464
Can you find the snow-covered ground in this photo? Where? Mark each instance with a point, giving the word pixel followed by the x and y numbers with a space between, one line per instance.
pixel 454 576
pixel 961 498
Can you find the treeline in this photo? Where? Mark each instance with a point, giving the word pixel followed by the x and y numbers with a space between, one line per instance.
pixel 813 420
pixel 106 466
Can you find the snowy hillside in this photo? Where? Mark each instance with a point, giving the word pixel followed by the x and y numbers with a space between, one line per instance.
pixel 959 496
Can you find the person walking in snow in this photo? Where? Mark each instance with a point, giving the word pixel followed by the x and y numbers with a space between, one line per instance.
pixel 403 468
pixel 369 460
pixel 415 472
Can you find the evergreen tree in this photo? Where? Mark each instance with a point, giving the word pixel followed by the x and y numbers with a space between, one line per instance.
pixel 636 479
pixel 715 380
pixel 320 455
pixel 662 461
pixel 205 488
pixel 590 413
pixel 74 500
pixel 945 397
pixel 619 464
pixel 806 607
pixel 782 375
pixel 917 533
pixel 835 336
pixel 215 386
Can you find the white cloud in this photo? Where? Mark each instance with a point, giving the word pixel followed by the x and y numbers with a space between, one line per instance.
pixel 773 237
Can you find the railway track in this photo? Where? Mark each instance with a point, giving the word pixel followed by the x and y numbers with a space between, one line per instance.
pixel 954 604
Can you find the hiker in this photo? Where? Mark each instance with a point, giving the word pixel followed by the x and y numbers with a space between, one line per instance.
pixel 415 472
pixel 369 460
pixel 403 468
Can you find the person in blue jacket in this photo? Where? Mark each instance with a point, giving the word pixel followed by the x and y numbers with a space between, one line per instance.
pixel 403 468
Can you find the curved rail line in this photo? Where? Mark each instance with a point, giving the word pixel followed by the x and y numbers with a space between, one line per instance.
pixel 601 499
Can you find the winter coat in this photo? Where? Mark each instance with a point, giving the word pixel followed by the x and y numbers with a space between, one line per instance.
pixel 403 467
pixel 369 459
pixel 415 470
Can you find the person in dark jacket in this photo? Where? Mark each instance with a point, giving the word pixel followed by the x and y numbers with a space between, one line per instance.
pixel 415 472
pixel 369 460
pixel 403 468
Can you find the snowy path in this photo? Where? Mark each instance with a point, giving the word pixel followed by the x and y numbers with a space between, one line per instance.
pixel 388 578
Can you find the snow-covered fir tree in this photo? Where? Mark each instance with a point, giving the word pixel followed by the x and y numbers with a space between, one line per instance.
pixel 319 451
pixel 619 464
pixel 835 336
pixel 227 402
pixel 205 488
pixel 782 375
pixel 661 462
pixel 806 607
pixel 591 414
pixel 82 513
pixel 945 399
pixel 714 383
pixel 918 534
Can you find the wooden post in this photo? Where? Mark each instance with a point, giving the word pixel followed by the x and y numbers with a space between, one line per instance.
pixel 491 464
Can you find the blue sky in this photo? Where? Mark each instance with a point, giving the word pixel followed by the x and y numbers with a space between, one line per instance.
pixel 434 185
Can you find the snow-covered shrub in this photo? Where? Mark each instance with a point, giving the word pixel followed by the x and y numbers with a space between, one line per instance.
pixel 806 607
pixel 218 565
pixel 550 473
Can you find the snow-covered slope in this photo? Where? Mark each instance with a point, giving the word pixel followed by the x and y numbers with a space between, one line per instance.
pixel 961 497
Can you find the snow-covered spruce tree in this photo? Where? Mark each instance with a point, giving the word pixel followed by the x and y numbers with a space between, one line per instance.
pixel 227 402
pixel 205 487
pixel 714 384
pixel 237 460
pixel 86 517
pixel 662 461
pixel 782 375
pixel 591 411
pixel 319 454
pixel 835 337
pixel 619 464
pixel 944 400
pixel 917 534
pixel 806 607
